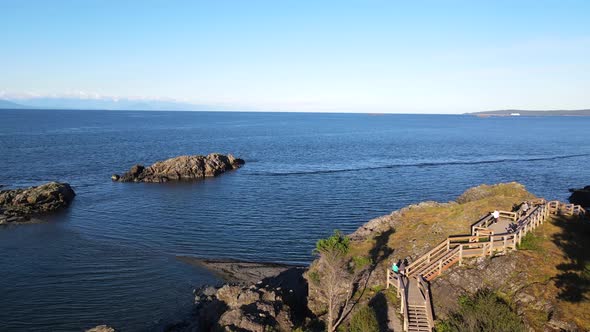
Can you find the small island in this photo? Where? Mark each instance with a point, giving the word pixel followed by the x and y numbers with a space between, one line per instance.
pixel 182 168
pixel 20 205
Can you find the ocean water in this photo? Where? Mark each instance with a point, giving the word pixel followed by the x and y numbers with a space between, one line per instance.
pixel 111 257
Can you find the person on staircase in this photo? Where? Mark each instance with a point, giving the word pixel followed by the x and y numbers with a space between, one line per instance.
pixel 525 208
pixel 395 267
pixel 402 267
pixel 496 216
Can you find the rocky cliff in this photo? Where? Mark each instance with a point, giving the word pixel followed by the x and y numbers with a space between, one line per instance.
pixel 20 205
pixel 182 168
pixel 580 196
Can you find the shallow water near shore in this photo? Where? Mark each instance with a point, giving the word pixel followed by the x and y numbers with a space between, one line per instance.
pixel 110 258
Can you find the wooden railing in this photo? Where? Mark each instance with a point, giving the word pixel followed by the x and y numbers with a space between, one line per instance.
pixel 425 259
pixel 482 223
pixel 398 281
pixel 556 207
pixel 424 289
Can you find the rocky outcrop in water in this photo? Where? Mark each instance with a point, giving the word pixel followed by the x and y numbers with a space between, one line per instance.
pixel 580 196
pixel 20 205
pixel 182 168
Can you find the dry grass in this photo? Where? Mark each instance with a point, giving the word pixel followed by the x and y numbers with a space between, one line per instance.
pixel 425 225
pixel 561 275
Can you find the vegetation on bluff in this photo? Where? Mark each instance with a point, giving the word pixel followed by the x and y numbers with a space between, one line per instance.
pixel 482 311
pixel 546 282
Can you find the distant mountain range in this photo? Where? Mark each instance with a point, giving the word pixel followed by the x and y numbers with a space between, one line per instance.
pixel 584 112
pixel 104 104
pixel 165 105
pixel 9 105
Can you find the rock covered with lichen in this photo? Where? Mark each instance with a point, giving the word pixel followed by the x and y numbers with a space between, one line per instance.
pixel 18 205
pixel 195 167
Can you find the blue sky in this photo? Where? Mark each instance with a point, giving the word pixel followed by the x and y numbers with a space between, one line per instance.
pixel 351 56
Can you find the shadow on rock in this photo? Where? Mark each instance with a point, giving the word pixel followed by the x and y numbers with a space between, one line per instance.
pixel 574 277
pixel 380 250
pixel 379 304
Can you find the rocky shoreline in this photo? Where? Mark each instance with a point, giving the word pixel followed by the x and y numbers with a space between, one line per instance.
pixel 580 196
pixel 238 272
pixel 278 302
pixel 22 205
pixel 182 168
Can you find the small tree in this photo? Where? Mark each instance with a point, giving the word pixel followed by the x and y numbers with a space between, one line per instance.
pixel 334 280
pixel 364 320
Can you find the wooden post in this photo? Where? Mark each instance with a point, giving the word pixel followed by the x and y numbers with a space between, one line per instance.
pixel 460 254
pixel 387 285
pixel 505 243
pixel 440 267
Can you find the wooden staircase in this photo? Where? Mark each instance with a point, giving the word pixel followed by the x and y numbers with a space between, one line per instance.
pixel 437 267
pixel 418 318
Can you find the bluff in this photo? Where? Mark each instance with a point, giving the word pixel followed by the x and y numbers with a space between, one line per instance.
pixel 182 168
pixel 544 283
pixel 20 205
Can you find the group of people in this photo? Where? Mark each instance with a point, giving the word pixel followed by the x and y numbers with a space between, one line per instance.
pixel 512 227
pixel 400 267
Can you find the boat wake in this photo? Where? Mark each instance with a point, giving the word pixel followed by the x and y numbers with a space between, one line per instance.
pixel 423 164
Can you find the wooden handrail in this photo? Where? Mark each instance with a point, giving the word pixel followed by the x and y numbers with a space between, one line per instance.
pixel 426 258
pixel 404 303
pixel 425 291
pixel 508 215
pixel 483 222
pixel 440 263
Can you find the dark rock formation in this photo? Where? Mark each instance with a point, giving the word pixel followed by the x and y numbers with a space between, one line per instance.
pixel 580 196
pixel 21 204
pixel 182 168
pixel 276 303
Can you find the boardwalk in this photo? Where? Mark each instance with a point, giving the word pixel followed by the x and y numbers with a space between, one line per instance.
pixel 487 238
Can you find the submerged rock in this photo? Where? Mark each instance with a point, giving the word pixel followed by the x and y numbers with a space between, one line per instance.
pixel 182 168
pixel 19 205
pixel 580 196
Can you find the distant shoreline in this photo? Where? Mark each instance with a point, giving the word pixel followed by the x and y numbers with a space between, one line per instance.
pixel 503 113
pixel 517 113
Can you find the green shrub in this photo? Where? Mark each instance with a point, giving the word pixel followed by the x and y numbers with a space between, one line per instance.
pixel 314 276
pixel 484 311
pixel 530 242
pixel 364 320
pixel 337 244
pixel 361 262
